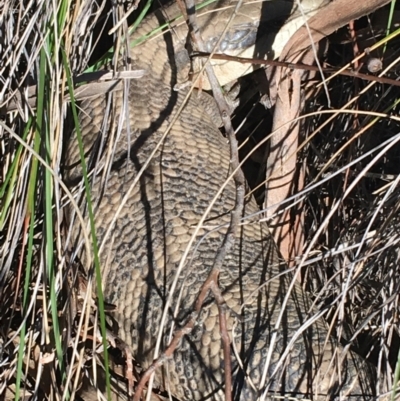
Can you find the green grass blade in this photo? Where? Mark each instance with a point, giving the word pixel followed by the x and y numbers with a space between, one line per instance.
pixel 92 223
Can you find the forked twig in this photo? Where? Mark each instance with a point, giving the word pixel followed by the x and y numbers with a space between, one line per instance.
pixel 211 283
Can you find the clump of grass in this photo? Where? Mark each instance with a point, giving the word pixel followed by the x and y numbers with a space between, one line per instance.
pixel 42 42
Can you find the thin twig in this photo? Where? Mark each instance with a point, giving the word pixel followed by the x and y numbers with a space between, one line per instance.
pixel 298 66
pixel 239 179
pixel 211 284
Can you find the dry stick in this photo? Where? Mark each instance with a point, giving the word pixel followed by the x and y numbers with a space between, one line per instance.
pixel 298 66
pixel 211 283
pixel 239 179
pixel 164 356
